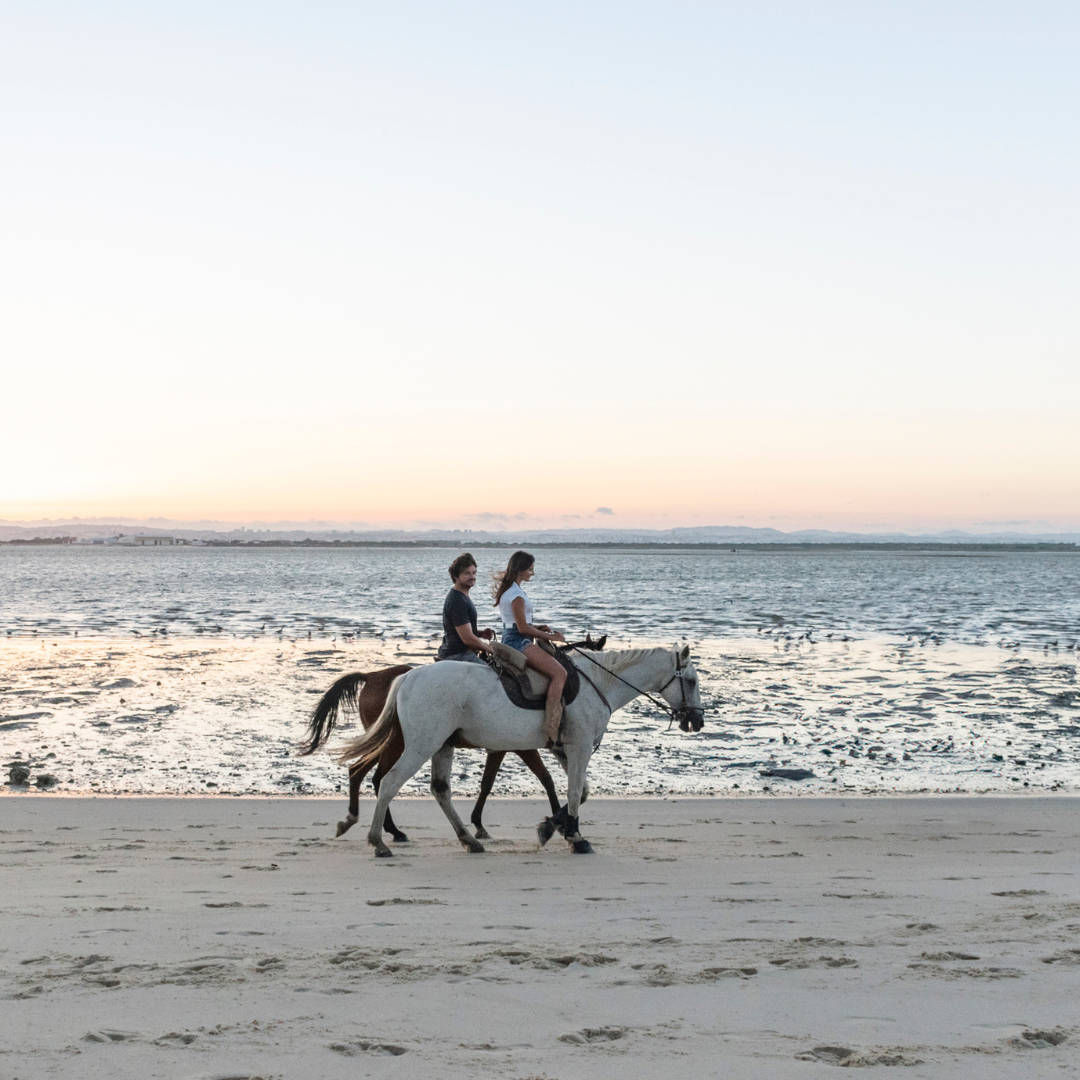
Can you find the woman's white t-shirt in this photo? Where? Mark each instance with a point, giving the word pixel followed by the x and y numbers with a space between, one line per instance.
pixel 507 612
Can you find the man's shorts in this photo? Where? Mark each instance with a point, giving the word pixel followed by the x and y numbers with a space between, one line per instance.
pixel 468 656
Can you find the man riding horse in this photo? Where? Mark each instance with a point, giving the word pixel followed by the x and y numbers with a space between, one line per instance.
pixel 461 639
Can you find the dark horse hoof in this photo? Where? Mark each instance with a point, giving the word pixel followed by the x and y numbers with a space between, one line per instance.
pixel 383 853
pixel 581 847
pixel 344 826
pixel 400 838
pixel 561 821
pixel 482 833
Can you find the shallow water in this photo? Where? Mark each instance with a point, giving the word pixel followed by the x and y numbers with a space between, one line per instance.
pixel 194 669
pixel 1022 598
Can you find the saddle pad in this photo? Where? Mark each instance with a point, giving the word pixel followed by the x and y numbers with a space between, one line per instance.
pixel 538 685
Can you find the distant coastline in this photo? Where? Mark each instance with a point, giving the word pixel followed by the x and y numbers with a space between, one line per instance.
pixel 935 547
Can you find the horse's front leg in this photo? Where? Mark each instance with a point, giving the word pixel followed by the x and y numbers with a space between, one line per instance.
pixel 577 762
pixel 491 770
pixel 536 765
pixel 441 764
pixel 565 820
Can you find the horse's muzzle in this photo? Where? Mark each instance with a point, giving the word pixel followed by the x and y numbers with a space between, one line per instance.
pixel 690 719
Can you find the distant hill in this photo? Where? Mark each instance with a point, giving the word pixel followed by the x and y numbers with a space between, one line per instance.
pixel 327 532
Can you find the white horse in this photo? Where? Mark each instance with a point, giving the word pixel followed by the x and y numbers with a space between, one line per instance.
pixel 438 707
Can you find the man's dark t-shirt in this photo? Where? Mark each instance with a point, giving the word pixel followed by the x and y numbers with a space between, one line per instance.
pixel 457 610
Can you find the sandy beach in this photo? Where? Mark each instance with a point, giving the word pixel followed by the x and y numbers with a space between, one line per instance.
pixel 235 937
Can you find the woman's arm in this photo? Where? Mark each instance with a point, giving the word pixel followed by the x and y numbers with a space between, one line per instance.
pixel 517 606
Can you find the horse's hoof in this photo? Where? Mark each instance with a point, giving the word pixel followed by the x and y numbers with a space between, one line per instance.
pixel 383 852
pixel 400 838
pixel 482 833
pixel 581 847
pixel 473 847
pixel 545 830
pixel 344 826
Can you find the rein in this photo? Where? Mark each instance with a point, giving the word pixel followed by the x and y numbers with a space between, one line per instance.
pixel 672 713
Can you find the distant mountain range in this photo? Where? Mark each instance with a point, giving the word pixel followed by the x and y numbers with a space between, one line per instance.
pixel 326 532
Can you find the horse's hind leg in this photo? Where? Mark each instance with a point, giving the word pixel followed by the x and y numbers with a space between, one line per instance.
pixel 404 769
pixel 441 764
pixel 356 778
pixel 491 770
pixel 536 764
pixel 388 821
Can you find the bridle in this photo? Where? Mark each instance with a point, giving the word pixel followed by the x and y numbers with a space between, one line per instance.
pixel 681 715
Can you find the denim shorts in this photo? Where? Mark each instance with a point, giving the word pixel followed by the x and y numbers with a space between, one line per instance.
pixel 515 639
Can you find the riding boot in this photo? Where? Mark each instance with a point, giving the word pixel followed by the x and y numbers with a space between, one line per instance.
pixel 552 721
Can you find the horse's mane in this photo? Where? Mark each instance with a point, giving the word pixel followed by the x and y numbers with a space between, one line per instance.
pixel 618 660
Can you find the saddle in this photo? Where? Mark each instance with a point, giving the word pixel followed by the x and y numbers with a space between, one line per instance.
pixel 525 687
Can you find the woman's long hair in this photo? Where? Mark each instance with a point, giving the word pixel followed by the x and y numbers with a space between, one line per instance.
pixel 519 562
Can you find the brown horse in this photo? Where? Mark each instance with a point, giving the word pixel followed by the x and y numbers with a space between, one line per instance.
pixel 365 693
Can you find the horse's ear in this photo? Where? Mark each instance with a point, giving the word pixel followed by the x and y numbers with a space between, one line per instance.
pixel 685 654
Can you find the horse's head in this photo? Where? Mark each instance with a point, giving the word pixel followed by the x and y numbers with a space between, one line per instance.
pixel 683 693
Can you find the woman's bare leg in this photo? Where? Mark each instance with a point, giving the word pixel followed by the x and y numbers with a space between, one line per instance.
pixel 549 666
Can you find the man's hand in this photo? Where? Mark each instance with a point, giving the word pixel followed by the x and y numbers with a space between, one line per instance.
pixel 479 641
pixel 487 633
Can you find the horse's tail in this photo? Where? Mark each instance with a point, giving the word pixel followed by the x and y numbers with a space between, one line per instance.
pixel 363 751
pixel 344 693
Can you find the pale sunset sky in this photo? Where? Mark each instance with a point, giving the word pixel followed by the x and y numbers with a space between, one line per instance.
pixel 794 264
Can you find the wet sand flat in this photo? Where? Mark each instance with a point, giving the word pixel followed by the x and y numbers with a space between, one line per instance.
pixel 235 937
pixel 160 717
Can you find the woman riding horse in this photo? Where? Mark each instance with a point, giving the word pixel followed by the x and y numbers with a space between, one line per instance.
pixel 519 633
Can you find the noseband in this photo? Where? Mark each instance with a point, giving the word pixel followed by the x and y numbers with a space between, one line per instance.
pixel 682 715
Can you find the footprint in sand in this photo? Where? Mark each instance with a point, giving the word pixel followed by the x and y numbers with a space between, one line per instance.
pixel 847 1058
pixel 176 1038
pixel 830 1055
pixel 588 1036
pixel 1069 956
pixel 364 1046
pixel 583 959
pixel 1039 1040
pixel 108 1035
pixel 950 955
pixel 795 963
pixel 404 900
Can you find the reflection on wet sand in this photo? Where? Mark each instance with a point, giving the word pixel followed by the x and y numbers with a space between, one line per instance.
pixel 871 716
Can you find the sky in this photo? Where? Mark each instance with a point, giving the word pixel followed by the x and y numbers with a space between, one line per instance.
pixel 800 265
